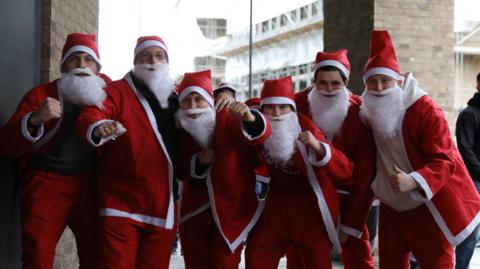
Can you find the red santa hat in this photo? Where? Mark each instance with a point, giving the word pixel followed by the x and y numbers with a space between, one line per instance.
pixel 78 42
pixel 198 82
pixel 382 59
pixel 338 59
pixel 253 102
pixel 224 85
pixel 149 41
pixel 278 92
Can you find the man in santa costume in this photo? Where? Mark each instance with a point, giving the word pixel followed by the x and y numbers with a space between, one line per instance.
pixel 302 204
pixel 58 187
pixel 214 151
pixel 140 161
pixel 335 111
pixel 428 201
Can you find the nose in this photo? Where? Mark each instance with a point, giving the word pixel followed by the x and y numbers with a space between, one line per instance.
pixel 81 63
pixel 276 112
pixel 378 86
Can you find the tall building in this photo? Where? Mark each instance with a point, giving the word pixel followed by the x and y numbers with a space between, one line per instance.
pixel 282 45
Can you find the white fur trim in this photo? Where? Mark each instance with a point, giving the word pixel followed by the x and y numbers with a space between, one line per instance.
pixel 343 192
pixel 150 43
pixel 424 185
pixel 194 213
pixel 247 135
pixel 111 212
pixel 322 203
pixel 262 179
pixel 460 237
pixel 225 86
pixel 351 231
pixel 334 63
pixel 312 156
pixel 25 131
pixel 278 100
pixel 239 240
pixel 153 124
pixel 81 48
pixel 381 71
pixel 193 163
pixel 198 90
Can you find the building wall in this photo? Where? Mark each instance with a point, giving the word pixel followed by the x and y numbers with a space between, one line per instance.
pixel 349 28
pixel 61 17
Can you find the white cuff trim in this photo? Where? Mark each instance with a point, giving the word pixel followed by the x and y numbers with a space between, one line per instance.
pixel 351 231
pixel 247 135
pixel 262 179
pixel 103 140
pixel 312 156
pixel 27 134
pixel 424 185
pixel 193 163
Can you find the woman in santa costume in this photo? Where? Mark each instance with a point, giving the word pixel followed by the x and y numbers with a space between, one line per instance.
pixel 58 187
pixel 302 204
pixel 215 214
pixel 335 111
pixel 428 202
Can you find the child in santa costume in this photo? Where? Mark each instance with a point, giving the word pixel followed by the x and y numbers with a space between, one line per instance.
pixel 302 204
pixel 335 111
pixel 428 201
pixel 58 187
pixel 218 203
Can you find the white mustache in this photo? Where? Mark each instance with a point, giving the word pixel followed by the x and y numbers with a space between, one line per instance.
pixel 194 111
pixel 85 70
pixel 330 93
pixel 278 118
pixel 383 92
pixel 151 67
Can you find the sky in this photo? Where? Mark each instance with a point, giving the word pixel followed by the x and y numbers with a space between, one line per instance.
pixel 121 22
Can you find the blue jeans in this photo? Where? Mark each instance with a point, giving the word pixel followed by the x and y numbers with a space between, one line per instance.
pixel 464 251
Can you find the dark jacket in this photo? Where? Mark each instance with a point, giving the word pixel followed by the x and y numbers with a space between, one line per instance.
pixel 468 136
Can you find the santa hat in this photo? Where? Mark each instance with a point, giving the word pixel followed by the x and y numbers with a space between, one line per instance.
pixel 149 41
pixel 253 102
pixel 338 59
pixel 382 59
pixel 78 42
pixel 224 85
pixel 198 82
pixel 278 92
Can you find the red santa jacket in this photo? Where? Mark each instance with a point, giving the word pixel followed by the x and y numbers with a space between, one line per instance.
pixel 231 180
pixel 447 189
pixel 321 174
pixel 355 140
pixel 194 197
pixel 135 171
pixel 16 140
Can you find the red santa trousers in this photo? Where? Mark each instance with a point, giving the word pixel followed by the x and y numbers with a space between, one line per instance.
pixel 416 231
pixel 356 254
pixel 286 220
pixel 203 247
pixel 50 202
pixel 129 244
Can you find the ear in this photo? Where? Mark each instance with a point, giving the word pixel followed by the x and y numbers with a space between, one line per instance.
pixel 478 87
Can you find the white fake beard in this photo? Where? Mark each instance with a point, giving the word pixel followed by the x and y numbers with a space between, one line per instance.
pixel 329 110
pixel 158 80
pixel 383 111
pixel 200 128
pixel 280 146
pixel 82 90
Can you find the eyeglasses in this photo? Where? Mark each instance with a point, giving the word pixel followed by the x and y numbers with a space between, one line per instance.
pixel 158 57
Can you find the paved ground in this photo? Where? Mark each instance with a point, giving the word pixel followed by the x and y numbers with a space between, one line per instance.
pixel 177 262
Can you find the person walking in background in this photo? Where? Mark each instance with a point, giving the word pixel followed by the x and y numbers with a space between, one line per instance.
pixel 468 142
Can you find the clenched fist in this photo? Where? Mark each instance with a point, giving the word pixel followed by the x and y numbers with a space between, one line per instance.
pixel 206 156
pixel 242 111
pixel 108 129
pixel 401 181
pixel 50 109
pixel 307 138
